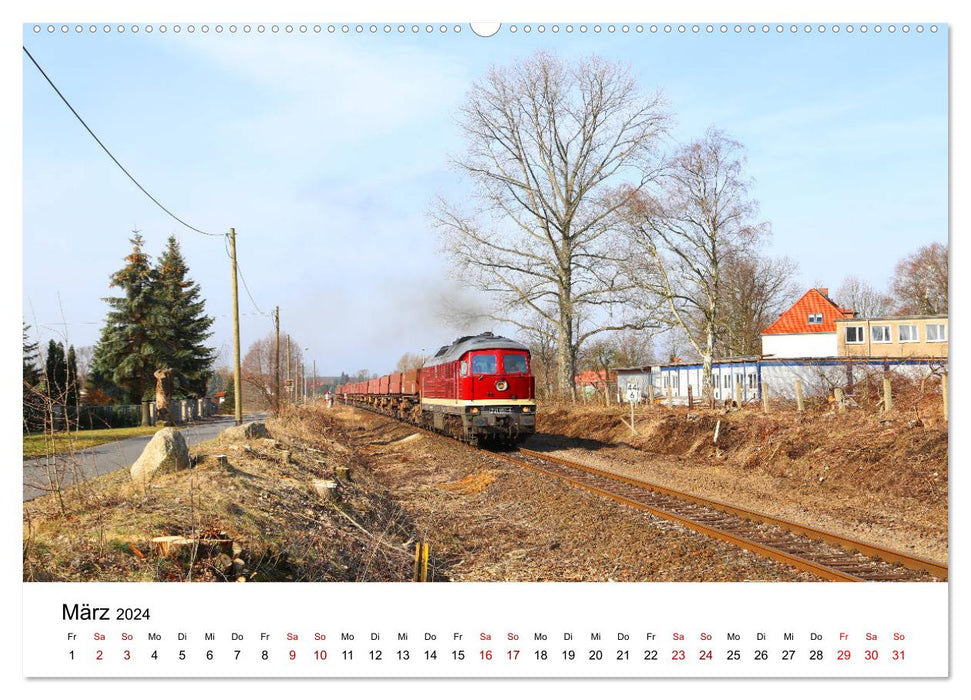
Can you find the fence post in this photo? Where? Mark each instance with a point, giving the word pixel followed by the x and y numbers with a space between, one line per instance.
pixel 765 397
pixel 650 393
pixel 838 395
pixel 146 414
pixel 691 402
pixel 887 397
pixel 670 399
pixel 738 392
pixel 799 404
pixel 944 394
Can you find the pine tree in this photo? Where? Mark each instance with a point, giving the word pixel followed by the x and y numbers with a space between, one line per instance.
pixel 182 341
pixel 71 378
pixel 33 406
pixel 31 372
pixel 55 371
pixel 128 352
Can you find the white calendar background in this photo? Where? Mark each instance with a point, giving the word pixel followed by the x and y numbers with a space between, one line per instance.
pixel 487 630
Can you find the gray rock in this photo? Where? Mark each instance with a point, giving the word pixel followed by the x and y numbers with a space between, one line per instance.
pixel 247 431
pixel 165 452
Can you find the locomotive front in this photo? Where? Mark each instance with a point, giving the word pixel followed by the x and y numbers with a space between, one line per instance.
pixel 481 389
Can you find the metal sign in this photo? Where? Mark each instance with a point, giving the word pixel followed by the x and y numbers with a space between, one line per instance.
pixel 633 393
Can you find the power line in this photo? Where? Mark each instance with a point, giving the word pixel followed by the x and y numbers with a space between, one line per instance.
pixel 105 149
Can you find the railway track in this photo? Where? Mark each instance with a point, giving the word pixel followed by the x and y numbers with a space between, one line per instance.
pixel 822 553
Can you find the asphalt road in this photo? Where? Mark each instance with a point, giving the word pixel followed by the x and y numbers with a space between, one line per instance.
pixel 111 456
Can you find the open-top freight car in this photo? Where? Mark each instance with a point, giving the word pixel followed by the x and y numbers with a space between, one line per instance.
pixel 478 389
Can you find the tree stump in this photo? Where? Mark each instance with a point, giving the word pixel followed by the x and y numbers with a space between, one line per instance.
pixel 163 396
pixel 326 489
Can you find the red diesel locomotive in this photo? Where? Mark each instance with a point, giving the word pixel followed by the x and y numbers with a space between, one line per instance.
pixel 478 389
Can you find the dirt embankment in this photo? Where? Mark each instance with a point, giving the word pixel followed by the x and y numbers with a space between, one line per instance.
pixel 860 473
pixel 253 516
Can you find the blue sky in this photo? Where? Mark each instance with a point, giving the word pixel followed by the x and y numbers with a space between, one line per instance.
pixel 326 151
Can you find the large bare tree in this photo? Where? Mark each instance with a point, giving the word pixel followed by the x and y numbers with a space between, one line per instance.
pixel 546 143
pixel 919 283
pixel 685 236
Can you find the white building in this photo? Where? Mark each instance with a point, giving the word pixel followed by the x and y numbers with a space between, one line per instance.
pixel 807 329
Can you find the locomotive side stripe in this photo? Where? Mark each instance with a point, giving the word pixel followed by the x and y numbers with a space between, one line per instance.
pixel 478 402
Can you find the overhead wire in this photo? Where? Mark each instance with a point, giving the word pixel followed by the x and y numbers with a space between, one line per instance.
pixel 138 184
pixel 110 155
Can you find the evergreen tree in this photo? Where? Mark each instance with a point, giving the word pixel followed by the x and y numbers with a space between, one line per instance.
pixel 128 352
pixel 186 328
pixel 33 406
pixel 31 372
pixel 55 372
pixel 71 378
pixel 100 382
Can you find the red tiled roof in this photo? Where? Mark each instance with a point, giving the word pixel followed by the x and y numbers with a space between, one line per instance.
pixel 590 377
pixel 796 319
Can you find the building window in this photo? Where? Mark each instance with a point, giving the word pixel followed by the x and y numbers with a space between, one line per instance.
pixel 936 333
pixel 880 334
pixel 815 319
pixel 751 381
pixel 854 334
pixel 907 333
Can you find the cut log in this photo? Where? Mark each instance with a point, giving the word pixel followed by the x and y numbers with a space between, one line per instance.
pixel 176 545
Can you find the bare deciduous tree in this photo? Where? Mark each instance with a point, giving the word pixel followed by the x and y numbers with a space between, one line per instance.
pixel 546 141
pixel 539 335
pixel 919 283
pixel 258 370
pixel 685 236
pixel 409 361
pixel 755 291
pixel 866 301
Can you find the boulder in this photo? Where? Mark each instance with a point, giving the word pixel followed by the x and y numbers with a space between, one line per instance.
pixel 247 431
pixel 165 452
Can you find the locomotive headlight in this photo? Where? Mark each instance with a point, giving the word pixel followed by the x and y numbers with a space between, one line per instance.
pixel 502 385
pixel 527 409
pixel 474 410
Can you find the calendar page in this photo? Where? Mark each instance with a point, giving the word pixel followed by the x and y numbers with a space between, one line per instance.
pixel 557 346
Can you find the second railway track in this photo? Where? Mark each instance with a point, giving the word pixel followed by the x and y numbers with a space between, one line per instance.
pixel 822 553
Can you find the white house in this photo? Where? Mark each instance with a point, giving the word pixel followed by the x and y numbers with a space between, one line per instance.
pixel 807 329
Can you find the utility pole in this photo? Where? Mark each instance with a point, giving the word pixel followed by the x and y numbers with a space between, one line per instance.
pixel 237 381
pixel 276 388
pixel 289 376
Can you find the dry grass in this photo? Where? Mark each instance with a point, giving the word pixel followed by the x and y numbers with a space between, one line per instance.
pixel 262 500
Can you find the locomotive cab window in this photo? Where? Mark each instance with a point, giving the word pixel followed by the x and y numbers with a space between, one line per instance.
pixel 483 364
pixel 514 364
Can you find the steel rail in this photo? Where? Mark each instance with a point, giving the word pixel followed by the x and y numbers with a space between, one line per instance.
pixel 820 570
pixel 891 556
pixel 914 563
